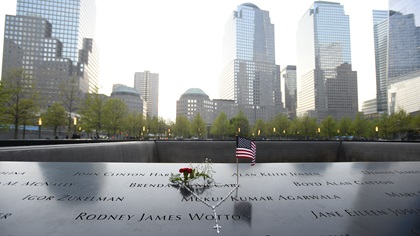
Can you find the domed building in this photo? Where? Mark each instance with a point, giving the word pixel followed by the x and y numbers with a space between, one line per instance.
pixel 194 101
pixel 130 97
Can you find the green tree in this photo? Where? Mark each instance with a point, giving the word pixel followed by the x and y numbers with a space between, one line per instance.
pixel 415 123
pixel 359 125
pixel 92 112
pixel 282 124
pixel 384 127
pixel 4 96
pixel 344 126
pixel 259 130
pixel 55 116
pixel 182 126
pixel 198 126
pixel 30 110
pixel 240 124
pixel 115 111
pixel 154 125
pixel 19 99
pixel 308 126
pixel 157 126
pixel 220 126
pixel 295 128
pixel 162 126
pixel 134 124
pixel 401 123
pixel 329 127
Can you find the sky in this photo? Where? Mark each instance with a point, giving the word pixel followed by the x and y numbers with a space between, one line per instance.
pixel 182 41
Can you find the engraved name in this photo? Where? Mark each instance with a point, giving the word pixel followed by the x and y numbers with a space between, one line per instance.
pixel 11 173
pixel 72 198
pixel 309 197
pixel 366 213
pixel 276 174
pixel 108 217
pixel 37 184
pixel 331 183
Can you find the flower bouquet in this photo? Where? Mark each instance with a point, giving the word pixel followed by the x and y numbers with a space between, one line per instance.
pixel 186 175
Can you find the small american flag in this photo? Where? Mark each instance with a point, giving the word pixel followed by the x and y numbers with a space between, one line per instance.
pixel 245 148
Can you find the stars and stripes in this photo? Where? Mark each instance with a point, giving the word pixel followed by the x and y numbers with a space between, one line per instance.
pixel 246 148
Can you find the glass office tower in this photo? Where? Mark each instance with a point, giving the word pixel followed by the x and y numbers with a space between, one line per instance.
pixel 380 36
pixel 404 38
pixel 403 65
pixel 326 84
pixel 57 42
pixel 250 76
pixel 288 88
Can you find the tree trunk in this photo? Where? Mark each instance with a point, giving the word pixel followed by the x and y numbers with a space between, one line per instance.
pixel 24 131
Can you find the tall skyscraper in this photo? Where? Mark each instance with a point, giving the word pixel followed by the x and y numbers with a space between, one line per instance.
pixel 251 77
pixel 403 65
pixel 147 84
pixel 326 84
pixel 380 36
pixel 56 43
pixel 288 88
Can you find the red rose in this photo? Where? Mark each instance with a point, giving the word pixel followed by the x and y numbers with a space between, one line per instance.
pixel 187 170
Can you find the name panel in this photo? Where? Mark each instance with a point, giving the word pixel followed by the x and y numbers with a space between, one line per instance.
pixel 316 199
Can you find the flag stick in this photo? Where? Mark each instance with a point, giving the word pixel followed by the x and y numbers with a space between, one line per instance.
pixel 237 172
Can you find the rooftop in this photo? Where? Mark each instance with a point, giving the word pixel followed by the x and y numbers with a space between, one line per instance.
pixel 250 5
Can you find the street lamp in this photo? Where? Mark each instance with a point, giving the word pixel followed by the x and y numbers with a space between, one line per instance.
pixel 39 127
pixel 75 124
pixel 376 130
pixel 319 133
pixel 274 132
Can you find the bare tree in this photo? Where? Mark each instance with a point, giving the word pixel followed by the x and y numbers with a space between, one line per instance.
pixel 70 98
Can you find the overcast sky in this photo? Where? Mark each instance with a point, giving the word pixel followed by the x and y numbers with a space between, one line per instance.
pixel 182 41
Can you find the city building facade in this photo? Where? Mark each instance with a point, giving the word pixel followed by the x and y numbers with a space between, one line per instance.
pixel 229 107
pixel 404 94
pixel 370 108
pixel 288 88
pixel 250 76
pixel 130 96
pixel 324 63
pixel 147 84
pixel 53 41
pixel 195 101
